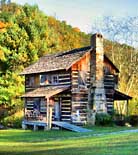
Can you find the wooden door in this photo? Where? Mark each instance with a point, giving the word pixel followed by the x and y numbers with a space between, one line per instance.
pixel 57 111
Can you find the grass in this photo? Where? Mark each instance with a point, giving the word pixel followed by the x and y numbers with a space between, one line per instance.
pixel 20 142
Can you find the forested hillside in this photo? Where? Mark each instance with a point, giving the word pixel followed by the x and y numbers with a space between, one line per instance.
pixel 26 34
pixel 126 59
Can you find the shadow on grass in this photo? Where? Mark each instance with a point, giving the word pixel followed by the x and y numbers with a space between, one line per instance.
pixel 96 150
pixel 38 136
pixel 114 145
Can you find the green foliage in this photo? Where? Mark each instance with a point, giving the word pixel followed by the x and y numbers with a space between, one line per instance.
pixel 69 38
pixel 3 112
pixel 133 120
pixel 103 119
pixel 126 59
pixel 133 106
pixel 27 34
pixel 11 87
pixel 120 122
pixel 12 121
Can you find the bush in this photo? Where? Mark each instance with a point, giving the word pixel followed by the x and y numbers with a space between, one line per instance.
pixel 14 121
pixel 120 122
pixel 3 113
pixel 120 119
pixel 11 121
pixel 103 119
pixel 133 120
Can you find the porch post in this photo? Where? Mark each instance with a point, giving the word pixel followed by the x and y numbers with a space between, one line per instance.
pixel 127 107
pixel 24 111
pixel 49 115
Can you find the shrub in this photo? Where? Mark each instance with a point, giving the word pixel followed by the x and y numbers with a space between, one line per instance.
pixel 133 120
pixel 120 119
pixel 120 122
pixel 3 113
pixel 13 121
pixel 103 119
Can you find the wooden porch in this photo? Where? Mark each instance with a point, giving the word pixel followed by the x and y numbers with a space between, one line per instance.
pixel 60 124
pixel 119 97
pixel 42 106
pixel 34 124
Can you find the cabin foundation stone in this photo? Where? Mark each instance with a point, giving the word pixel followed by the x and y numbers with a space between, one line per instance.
pixel 91 117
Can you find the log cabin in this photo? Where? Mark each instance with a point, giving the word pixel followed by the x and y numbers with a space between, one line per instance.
pixel 71 86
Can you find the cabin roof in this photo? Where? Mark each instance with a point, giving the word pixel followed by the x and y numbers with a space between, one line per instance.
pixel 60 61
pixel 55 62
pixel 46 91
pixel 111 63
pixel 121 96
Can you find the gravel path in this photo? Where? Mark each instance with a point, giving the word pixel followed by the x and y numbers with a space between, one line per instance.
pixel 89 135
pixel 117 132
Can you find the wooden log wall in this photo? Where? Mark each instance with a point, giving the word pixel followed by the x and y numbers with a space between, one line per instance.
pixel 64 78
pixel 65 105
pixel 79 99
pixel 32 81
pixel 43 107
pixel 29 112
pixel 109 84
pixel 80 92
pixel 29 104
pixel 66 109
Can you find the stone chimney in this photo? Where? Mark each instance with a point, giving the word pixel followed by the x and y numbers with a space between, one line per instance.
pixel 98 97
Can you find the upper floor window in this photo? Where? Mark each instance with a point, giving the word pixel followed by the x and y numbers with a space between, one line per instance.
pixel 106 70
pixel 55 79
pixel 45 79
pixel 48 79
pixel 30 81
pixel 82 78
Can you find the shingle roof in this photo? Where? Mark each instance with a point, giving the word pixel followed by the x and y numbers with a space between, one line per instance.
pixel 46 91
pixel 121 96
pixel 56 61
pixel 60 61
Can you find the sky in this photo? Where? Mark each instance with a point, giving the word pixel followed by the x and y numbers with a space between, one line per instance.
pixel 82 13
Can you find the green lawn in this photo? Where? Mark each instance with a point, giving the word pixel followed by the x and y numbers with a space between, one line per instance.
pixel 20 142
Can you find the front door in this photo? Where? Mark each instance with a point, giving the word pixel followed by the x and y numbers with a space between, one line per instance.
pixel 57 111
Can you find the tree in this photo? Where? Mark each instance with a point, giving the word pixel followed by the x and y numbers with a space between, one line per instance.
pixel 9 93
pixel 122 49
pixel 27 34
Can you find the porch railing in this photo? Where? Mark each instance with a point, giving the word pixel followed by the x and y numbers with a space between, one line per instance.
pixel 33 115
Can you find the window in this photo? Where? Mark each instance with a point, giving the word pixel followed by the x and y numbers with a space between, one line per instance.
pixel 29 81
pixel 55 79
pixel 45 79
pixel 42 79
pixel 48 79
pixel 106 70
pixel 82 78
pixel 43 106
pixel 37 104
